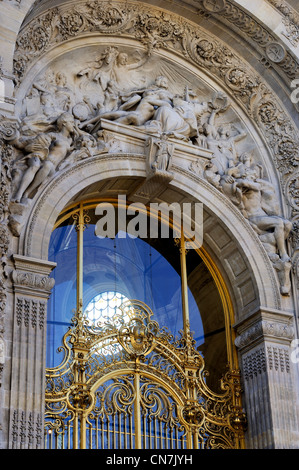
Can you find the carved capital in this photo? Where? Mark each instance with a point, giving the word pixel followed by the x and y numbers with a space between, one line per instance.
pixel 31 277
pixel 263 327
pixel 31 280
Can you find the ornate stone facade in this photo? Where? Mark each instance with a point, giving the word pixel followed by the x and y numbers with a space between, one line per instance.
pixel 109 89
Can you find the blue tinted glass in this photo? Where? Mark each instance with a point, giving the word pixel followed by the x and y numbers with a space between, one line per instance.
pixel 62 302
pixel 129 266
pixel 135 269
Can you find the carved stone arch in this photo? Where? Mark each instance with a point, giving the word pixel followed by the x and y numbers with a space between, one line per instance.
pixel 238 235
pixel 264 318
pixel 168 61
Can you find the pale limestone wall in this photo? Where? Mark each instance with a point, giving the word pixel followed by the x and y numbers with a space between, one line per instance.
pixel 264 319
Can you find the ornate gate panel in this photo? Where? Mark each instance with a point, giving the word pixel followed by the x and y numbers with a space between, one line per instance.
pixel 129 384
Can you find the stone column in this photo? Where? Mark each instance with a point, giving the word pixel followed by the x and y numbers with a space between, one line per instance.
pixel 31 286
pixel 269 380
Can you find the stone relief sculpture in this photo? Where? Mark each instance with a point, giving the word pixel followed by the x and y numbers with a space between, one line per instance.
pixel 46 152
pixel 110 69
pixel 62 125
pixel 163 155
pixel 159 152
pixel 256 198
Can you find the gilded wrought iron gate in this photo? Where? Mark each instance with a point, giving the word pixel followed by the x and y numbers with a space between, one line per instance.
pixel 128 384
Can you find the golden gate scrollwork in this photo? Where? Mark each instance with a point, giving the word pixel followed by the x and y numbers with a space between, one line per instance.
pixel 129 384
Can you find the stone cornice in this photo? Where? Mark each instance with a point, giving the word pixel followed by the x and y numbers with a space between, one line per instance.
pixel 31 276
pixel 33 265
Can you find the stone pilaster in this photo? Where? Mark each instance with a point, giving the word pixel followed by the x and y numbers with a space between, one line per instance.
pixel 32 286
pixel 269 380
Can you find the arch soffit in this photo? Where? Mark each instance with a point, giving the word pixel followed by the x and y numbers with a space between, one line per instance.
pixel 249 286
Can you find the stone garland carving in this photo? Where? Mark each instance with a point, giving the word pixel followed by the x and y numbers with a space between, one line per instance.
pixel 58 25
pixel 274 50
pixel 7 155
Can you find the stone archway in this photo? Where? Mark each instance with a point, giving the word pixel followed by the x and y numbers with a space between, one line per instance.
pixel 252 267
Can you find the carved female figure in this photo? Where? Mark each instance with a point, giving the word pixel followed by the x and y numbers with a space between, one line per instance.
pixel 257 199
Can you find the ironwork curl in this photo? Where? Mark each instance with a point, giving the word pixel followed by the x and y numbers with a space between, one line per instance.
pixel 131 384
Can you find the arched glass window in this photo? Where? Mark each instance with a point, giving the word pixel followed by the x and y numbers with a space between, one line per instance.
pixel 130 267
pixel 132 321
pixel 104 306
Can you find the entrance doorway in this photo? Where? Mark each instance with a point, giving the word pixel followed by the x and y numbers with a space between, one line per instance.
pixel 132 374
